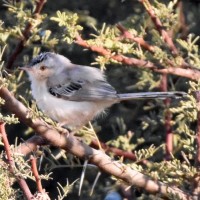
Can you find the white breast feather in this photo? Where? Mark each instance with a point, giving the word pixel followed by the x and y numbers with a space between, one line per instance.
pixel 71 113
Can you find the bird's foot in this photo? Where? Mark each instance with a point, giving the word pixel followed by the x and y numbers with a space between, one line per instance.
pixel 62 130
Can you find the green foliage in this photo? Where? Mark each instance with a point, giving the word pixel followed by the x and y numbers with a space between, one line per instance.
pixel 165 12
pixel 173 172
pixel 141 125
pixel 6 191
pixel 69 21
pixel 63 191
pixel 192 50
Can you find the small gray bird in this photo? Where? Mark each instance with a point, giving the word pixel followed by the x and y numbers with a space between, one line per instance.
pixel 74 94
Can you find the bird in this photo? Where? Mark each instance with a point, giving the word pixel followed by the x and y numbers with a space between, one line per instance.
pixel 73 94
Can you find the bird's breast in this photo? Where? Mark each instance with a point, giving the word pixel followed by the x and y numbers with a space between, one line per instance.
pixel 70 113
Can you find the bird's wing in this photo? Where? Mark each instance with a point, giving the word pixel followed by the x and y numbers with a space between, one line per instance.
pixel 84 91
pixel 81 83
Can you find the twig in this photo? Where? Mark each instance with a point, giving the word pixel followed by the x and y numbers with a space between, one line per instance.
pixel 30 145
pixel 26 35
pixel 6 146
pixel 159 26
pixel 20 181
pixel 82 150
pixel 36 174
pixel 169 134
pixel 82 176
pixel 95 182
pixel 126 34
pixel 192 74
pixel 114 150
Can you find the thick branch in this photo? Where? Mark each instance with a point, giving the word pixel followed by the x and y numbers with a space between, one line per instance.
pixel 81 150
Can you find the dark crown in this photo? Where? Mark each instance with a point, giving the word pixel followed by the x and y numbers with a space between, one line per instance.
pixel 41 57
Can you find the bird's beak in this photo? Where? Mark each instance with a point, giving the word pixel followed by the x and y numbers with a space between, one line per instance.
pixel 25 68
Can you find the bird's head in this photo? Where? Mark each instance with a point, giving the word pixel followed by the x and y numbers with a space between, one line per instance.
pixel 46 65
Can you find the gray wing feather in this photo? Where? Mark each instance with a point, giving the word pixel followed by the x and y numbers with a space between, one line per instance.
pixel 81 83
pixel 80 91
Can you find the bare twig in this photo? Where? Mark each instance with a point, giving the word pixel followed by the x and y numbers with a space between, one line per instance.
pixel 6 146
pixel 30 145
pixel 26 35
pixel 11 163
pixel 169 134
pixel 113 150
pixel 81 150
pixel 36 174
pixel 82 176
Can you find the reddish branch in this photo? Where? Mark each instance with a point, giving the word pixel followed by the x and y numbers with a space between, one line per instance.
pixel 36 174
pixel 192 74
pixel 126 34
pixel 81 150
pixel 26 35
pixel 160 27
pixel 31 145
pixel 11 163
pixel 114 150
pixel 6 145
pixel 169 134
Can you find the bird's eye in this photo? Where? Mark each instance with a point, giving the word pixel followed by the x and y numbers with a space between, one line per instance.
pixel 42 68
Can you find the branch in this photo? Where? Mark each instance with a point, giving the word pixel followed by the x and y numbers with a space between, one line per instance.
pixel 169 134
pixel 31 145
pixel 192 74
pixel 159 26
pixel 126 34
pixel 36 174
pixel 21 181
pixel 114 150
pixel 26 35
pixel 83 151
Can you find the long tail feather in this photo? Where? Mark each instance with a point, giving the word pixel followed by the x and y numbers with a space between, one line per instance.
pixel 152 95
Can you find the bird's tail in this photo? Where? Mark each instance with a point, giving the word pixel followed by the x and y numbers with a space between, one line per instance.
pixel 152 95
